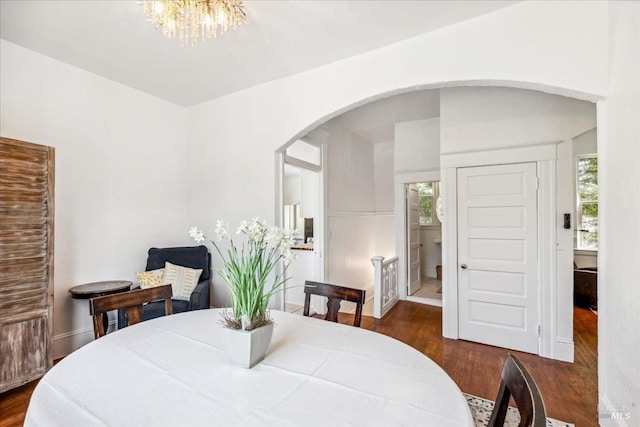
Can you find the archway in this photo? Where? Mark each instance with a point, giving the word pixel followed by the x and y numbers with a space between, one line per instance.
pixel 549 341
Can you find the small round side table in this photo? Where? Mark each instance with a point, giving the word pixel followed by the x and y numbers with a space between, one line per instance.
pixel 98 289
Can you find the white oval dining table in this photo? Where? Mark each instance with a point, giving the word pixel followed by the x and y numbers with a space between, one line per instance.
pixel 172 371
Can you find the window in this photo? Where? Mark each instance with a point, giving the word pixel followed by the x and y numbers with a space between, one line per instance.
pixel 428 193
pixel 587 202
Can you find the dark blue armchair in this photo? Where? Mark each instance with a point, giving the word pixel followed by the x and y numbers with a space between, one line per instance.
pixel 197 257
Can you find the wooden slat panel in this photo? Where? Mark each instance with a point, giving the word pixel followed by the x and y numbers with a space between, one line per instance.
pixel 11 221
pixel 22 285
pixel 21 265
pixel 22 169
pixel 25 280
pixel 14 301
pixel 25 316
pixel 26 261
pixel 34 298
pixel 27 342
pixel 22 152
pixel 8 243
pixel 21 251
pixel 22 210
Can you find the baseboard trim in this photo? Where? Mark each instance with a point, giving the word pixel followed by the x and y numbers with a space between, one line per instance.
pixel 563 350
pixel 68 342
pixel 426 301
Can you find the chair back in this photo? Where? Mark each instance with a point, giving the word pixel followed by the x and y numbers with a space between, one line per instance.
pixel 517 382
pixel 196 257
pixel 130 302
pixel 336 294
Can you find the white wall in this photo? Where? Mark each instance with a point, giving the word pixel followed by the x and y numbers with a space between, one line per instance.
pixel 417 145
pixel 233 135
pixel 417 149
pixel 586 143
pixel 480 119
pixel 292 189
pixel 351 210
pixel 430 251
pixel 120 174
pixel 383 159
pixel 484 118
pixel 619 255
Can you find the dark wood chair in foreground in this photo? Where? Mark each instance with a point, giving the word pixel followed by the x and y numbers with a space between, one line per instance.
pixel 131 303
pixel 517 382
pixel 336 294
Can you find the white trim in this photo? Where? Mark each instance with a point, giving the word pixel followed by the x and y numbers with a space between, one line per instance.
pixel 426 301
pixel 449 185
pixel 293 161
pixel 526 154
pixel 431 226
pixel 68 342
pixel 550 344
pixel 400 180
pixel 564 350
pixel 352 213
pixel 401 239
pixel 278 300
pixel 586 252
pixel 417 176
pixel 319 139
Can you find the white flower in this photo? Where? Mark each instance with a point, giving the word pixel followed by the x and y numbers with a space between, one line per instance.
pixel 222 230
pixel 197 234
pixel 247 266
pixel 273 237
pixel 257 230
pixel 288 256
pixel 243 228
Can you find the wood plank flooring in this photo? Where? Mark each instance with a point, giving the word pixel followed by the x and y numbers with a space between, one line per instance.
pixel 569 390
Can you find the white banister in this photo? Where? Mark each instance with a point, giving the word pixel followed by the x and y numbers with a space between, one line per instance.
pixel 385 287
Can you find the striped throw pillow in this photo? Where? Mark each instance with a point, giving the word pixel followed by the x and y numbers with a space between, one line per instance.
pixel 183 280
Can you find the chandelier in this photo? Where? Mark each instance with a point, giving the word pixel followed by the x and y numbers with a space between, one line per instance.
pixel 195 19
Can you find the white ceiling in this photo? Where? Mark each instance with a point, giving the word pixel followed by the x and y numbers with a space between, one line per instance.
pixel 113 39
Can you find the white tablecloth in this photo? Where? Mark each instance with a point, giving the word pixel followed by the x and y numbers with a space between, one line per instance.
pixel 172 371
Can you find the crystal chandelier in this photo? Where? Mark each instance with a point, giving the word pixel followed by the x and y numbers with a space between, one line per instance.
pixel 195 19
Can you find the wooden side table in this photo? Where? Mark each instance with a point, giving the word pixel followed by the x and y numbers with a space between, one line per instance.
pixel 98 289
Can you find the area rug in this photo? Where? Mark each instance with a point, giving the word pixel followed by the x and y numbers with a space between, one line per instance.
pixel 481 412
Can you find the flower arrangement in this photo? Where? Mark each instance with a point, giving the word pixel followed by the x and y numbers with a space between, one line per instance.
pixel 247 267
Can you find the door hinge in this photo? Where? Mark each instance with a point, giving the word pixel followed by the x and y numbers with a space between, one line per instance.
pixel 537 183
pixel 538 330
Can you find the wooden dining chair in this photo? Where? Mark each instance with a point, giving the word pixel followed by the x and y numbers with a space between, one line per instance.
pixel 131 302
pixel 517 382
pixel 335 294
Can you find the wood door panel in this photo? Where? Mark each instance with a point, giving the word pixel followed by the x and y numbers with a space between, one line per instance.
pixel 26 261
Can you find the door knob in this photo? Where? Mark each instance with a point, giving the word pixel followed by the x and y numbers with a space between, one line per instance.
pixel 463 266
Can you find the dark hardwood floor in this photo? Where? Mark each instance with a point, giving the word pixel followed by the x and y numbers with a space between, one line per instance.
pixel 569 390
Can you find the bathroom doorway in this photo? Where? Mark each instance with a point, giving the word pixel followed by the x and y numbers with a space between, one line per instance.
pixel 424 242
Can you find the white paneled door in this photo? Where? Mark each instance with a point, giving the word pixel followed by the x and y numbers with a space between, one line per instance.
pixel 498 255
pixel 413 241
